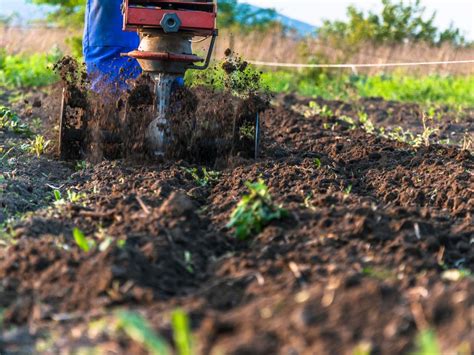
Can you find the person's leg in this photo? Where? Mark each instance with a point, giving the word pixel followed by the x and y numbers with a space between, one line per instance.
pixel 104 40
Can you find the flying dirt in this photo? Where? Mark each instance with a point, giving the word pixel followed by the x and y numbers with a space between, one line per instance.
pixel 215 218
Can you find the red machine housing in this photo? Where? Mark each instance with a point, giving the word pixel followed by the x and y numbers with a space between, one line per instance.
pixel 198 17
pixel 170 18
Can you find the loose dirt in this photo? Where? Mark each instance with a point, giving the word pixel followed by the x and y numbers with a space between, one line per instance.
pixel 360 263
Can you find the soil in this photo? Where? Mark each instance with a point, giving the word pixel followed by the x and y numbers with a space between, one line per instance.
pixel 359 263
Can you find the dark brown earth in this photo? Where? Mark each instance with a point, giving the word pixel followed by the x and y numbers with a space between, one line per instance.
pixel 360 263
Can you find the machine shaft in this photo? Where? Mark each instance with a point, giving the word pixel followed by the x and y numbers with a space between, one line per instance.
pixel 158 134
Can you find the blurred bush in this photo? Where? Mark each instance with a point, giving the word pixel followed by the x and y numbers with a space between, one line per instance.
pixel 397 23
pixel 19 70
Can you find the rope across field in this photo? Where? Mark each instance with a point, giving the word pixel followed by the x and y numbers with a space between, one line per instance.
pixel 360 65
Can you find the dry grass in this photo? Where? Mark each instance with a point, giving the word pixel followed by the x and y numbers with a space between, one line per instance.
pixel 272 46
pixel 275 47
pixel 34 39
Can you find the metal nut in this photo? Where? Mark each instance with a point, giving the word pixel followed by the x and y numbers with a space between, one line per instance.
pixel 170 23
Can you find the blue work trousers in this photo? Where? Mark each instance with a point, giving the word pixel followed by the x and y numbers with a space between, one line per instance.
pixel 104 40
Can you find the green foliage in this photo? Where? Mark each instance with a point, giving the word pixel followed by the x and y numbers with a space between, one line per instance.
pixel 446 90
pixel 254 211
pixel 75 45
pixel 67 13
pixel 57 195
pixel 181 332
pixel 317 163
pixel 427 343
pixel 20 70
pixel 84 243
pixel 11 122
pixel 140 331
pixel 398 22
pixel 232 74
pixel 203 177
pixel 243 17
pixel 38 145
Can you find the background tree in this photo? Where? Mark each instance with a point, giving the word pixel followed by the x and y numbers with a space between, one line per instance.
pixel 67 13
pixel 397 23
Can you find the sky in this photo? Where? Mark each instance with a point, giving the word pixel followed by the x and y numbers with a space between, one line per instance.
pixel 458 12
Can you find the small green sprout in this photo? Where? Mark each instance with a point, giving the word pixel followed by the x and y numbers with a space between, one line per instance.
pixel 204 177
pixel 38 145
pixel 75 197
pixel 57 196
pixel 307 202
pixel 314 109
pixel 36 124
pixel 254 211
pixel 427 343
pixel 181 332
pixel 188 260
pixel 317 163
pixel 348 190
pixel 84 243
pixel 349 120
pixel 81 165
pixel 139 330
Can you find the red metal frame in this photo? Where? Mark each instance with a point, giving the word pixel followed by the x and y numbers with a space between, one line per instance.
pixel 196 17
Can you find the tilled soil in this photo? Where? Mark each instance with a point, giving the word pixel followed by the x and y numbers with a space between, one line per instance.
pixel 363 262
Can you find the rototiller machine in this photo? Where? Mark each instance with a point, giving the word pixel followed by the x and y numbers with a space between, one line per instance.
pixel 167 29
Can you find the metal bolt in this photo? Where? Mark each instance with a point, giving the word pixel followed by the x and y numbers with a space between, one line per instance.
pixel 170 23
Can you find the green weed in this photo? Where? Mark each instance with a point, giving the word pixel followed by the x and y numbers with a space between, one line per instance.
pixel 20 70
pixel 188 260
pixel 317 163
pixel 203 177
pixel 254 211
pixel 181 332
pixel 36 124
pixel 84 243
pixel 38 145
pixel 75 197
pixel 348 190
pixel 9 121
pixel 427 343
pixel 139 330
pixel 57 196
pixel 81 165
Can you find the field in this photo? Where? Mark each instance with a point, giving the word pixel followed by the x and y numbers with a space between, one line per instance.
pixel 352 232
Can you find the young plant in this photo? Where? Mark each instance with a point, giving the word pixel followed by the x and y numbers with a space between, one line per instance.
pixel 58 199
pixel 181 332
pixel 366 123
pixel 204 177
pixel 254 211
pixel 11 122
pixel 139 330
pixel 427 130
pixel 38 145
pixel 84 243
pixel 317 163
pixel 427 343
pixel 75 197
pixel 81 165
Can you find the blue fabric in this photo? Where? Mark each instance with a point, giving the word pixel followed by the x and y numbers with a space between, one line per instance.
pixel 104 40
